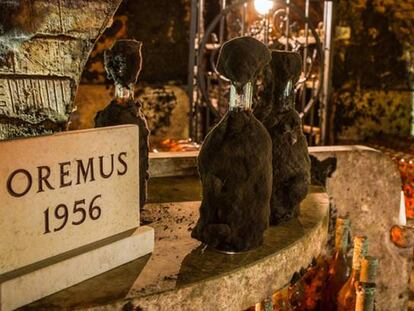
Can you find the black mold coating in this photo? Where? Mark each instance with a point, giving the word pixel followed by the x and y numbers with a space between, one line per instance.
pixel 235 162
pixel 123 61
pixel 131 113
pixel 321 170
pixel 241 59
pixel 236 173
pixel 291 163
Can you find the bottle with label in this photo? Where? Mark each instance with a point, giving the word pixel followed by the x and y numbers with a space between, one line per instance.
pixel 347 294
pixel 338 270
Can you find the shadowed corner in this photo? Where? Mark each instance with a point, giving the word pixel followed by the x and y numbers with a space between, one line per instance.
pixel 109 286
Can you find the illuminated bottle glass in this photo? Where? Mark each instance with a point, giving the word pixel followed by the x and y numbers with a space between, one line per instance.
pixel 365 292
pixel 369 266
pixel 347 294
pixel 124 94
pixel 365 298
pixel 241 101
pixel 338 269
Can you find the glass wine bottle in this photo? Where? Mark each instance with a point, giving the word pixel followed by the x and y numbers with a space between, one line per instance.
pixel 347 294
pixel 365 292
pixel 365 298
pixel 338 269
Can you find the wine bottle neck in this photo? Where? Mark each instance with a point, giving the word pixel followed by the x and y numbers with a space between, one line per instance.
pixel 124 94
pixel 355 275
pixel 341 234
pixel 365 298
pixel 369 267
pixel 360 251
pixel 241 101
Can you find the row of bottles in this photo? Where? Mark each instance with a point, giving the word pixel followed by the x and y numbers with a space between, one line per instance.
pixel 347 290
pixel 333 284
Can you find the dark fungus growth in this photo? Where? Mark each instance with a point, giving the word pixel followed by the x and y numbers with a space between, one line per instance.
pixel 322 170
pixel 123 63
pixel 241 59
pixel 291 163
pixel 235 163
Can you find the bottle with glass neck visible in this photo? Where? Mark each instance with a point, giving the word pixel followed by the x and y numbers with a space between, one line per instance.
pixel 338 269
pixel 124 94
pixel 365 298
pixel 241 101
pixel 347 294
pixel 369 266
pixel 365 292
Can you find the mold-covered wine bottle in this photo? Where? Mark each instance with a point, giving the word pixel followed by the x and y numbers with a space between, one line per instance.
pixel 123 63
pixel 235 161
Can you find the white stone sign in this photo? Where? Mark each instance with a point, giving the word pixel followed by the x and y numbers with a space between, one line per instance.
pixel 61 192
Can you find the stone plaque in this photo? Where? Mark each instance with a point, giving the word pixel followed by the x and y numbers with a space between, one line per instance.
pixel 61 192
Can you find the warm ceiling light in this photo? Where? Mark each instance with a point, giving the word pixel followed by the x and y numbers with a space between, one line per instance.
pixel 263 6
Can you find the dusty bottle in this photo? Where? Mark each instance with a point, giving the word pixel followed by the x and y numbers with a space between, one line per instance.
pixel 347 294
pixel 365 300
pixel 338 270
pixel 369 265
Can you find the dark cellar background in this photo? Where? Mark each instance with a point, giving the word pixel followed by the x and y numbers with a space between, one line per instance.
pixel 372 71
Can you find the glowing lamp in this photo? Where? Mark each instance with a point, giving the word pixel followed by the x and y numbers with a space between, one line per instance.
pixel 263 6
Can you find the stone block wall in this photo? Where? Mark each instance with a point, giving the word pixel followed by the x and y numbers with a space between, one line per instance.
pixel 44 46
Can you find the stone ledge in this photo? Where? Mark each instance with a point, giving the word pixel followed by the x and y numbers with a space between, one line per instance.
pixel 182 275
pixel 39 283
pixel 366 185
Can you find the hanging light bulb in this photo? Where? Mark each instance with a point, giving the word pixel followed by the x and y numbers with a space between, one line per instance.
pixel 263 6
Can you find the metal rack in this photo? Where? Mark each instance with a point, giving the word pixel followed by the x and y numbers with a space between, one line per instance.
pixel 285 26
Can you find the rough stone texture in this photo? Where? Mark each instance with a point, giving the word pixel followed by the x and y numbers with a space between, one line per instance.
pixel 235 170
pixel 165 164
pixel 181 276
pixel 43 48
pixel 366 185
